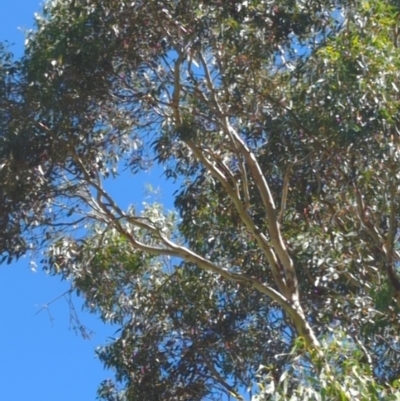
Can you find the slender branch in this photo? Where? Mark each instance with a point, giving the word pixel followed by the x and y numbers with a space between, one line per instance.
pixel 381 244
pixel 262 185
pixel 393 209
pixel 364 350
pixel 388 344
pixel 245 217
pixel 285 188
pixel 220 112
pixel 54 300
pixel 177 90
pixel 231 390
pixel 268 201
pixel 174 250
pixel 217 173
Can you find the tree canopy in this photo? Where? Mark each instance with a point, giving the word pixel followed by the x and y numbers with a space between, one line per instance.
pixel 276 275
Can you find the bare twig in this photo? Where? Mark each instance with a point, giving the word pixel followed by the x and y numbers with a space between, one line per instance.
pixel 54 300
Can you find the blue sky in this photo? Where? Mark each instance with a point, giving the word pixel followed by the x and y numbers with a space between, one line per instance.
pixel 41 358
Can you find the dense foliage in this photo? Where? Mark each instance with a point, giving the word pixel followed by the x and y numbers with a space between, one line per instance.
pixel 279 121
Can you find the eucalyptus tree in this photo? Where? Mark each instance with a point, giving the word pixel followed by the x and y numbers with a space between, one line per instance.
pixel 279 122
